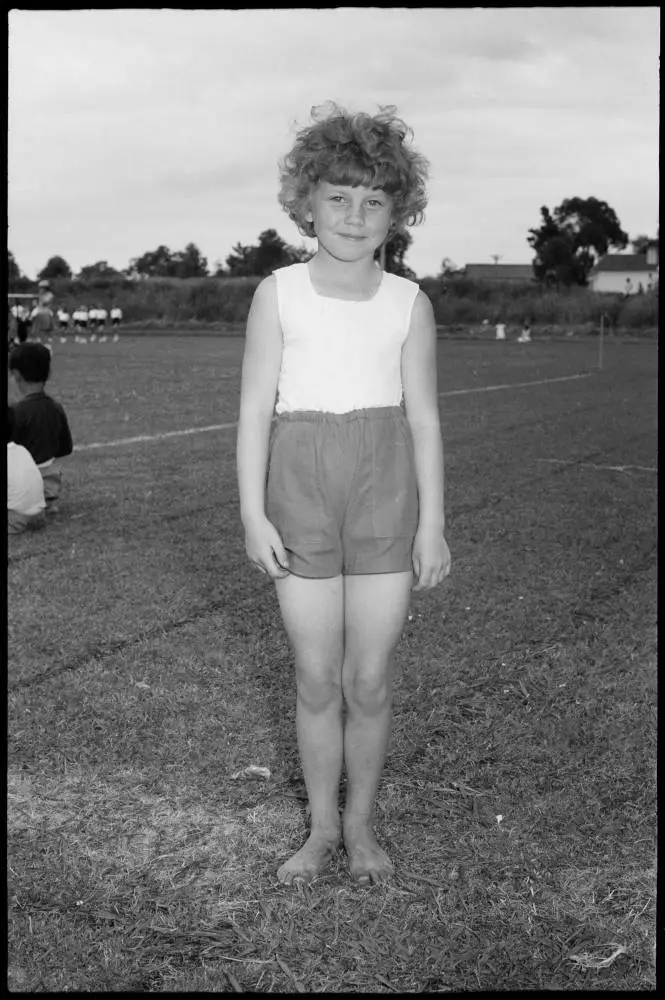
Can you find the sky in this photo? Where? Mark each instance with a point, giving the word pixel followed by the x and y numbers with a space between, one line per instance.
pixel 132 128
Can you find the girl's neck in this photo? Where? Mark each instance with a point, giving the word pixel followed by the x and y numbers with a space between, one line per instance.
pixel 356 275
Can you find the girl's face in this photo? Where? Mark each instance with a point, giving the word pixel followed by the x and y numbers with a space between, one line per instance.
pixel 349 222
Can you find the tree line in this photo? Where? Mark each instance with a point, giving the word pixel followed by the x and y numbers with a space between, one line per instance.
pixel 566 245
pixel 258 260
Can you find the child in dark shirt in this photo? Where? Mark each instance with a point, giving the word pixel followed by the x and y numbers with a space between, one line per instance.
pixel 40 423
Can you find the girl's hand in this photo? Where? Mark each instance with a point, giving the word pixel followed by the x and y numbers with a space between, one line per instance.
pixel 265 549
pixel 431 558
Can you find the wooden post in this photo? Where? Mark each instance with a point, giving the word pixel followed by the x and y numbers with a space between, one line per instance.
pixel 600 342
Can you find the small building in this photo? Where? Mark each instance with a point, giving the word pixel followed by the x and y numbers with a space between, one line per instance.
pixel 626 273
pixel 512 273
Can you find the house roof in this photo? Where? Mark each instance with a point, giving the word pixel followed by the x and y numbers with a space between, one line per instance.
pixel 625 262
pixel 500 272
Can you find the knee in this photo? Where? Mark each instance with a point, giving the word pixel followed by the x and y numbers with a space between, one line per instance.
pixel 318 692
pixel 368 692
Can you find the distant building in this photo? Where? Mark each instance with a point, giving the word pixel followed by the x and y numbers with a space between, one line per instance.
pixel 626 273
pixel 500 272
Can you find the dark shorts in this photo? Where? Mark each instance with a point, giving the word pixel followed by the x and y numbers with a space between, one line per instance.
pixel 17 523
pixel 52 478
pixel 342 491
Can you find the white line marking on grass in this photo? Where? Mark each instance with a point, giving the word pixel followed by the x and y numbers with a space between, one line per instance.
pixel 221 427
pixel 592 465
pixel 154 437
pixel 515 385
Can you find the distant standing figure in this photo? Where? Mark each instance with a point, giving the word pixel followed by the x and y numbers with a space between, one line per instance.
pixel 11 329
pixel 525 335
pixel 628 290
pixel 40 422
pixel 21 315
pixel 116 316
pixel 102 316
pixel 42 320
pixel 92 322
pixel 25 486
pixel 63 319
pixel 83 317
pixel 500 331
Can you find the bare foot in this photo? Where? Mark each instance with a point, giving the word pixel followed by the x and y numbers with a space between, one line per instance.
pixel 368 862
pixel 311 859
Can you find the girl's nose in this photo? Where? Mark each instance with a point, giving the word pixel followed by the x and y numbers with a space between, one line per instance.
pixel 355 215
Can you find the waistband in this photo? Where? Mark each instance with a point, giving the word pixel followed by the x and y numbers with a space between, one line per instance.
pixel 323 416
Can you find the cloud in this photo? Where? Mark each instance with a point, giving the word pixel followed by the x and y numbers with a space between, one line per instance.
pixel 165 125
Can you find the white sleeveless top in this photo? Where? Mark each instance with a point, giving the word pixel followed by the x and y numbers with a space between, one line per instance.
pixel 340 355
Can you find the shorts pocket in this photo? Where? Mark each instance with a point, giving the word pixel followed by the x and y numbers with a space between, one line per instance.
pixel 394 492
pixel 294 501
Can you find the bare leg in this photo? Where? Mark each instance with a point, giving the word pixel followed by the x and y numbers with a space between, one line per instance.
pixel 313 614
pixel 375 607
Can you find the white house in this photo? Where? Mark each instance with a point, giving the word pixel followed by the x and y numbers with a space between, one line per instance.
pixel 626 273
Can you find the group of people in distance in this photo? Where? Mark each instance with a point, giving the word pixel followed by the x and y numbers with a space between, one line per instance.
pixel 41 321
pixel 93 319
pixel 524 337
pixel 38 434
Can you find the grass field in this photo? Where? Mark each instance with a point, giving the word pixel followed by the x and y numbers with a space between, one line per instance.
pixel 148 665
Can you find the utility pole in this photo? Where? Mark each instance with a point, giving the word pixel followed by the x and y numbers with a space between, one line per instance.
pixel 496 257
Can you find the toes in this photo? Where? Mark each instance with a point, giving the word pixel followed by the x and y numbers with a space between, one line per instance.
pixel 287 876
pixel 372 877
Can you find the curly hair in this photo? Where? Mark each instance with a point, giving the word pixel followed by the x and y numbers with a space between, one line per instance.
pixel 359 150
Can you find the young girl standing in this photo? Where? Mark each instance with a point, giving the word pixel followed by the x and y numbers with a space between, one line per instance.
pixel 342 501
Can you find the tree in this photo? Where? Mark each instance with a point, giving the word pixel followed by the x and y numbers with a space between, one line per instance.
pixel 55 267
pixel 569 240
pixel 594 226
pixel 299 255
pixel 153 264
pixel 240 262
pixel 271 253
pixel 13 270
pixel 102 269
pixel 260 260
pixel 448 268
pixel 189 263
pixel 554 262
pixel 641 243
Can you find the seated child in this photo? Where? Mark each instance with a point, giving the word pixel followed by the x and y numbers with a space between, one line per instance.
pixel 25 487
pixel 40 423
pixel 525 335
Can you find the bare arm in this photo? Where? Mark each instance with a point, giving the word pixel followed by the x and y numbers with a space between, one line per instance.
pixel 258 389
pixel 431 557
pixel 419 365
pixel 260 375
